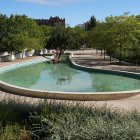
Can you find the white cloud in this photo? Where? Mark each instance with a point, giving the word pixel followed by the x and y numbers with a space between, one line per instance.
pixel 49 2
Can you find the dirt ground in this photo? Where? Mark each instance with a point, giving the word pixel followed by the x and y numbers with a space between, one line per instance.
pixel 91 59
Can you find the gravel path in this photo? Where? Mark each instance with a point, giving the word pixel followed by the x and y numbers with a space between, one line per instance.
pixel 87 58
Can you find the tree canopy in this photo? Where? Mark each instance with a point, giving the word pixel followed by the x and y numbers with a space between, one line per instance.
pixel 19 33
pixel 116 35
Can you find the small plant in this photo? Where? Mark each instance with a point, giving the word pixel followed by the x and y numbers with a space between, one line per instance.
pixel 66 121
pixel 14 115
pixel 77 122
pixel 14 132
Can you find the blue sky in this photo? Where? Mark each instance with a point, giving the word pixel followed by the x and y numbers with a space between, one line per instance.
pixel 74 11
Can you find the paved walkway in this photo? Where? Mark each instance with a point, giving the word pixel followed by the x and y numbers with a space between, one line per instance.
pixel 87 58
pixel 91 59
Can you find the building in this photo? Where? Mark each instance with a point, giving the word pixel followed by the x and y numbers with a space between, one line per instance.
pixel 52 21
pixel 81 26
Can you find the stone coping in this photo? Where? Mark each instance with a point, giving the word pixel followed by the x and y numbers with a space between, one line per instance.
pixel 110 71
pixel 78 96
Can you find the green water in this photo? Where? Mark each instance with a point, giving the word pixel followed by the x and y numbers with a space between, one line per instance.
pixel 61 77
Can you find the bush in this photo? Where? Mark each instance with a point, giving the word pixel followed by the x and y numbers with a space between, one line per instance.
pixel 66 121
pixel 77 122
pixel 16 110
pixel 14 114
pixel 14 132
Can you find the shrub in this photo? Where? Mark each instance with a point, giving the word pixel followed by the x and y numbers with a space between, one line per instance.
pixel 14 132
pixel 77 122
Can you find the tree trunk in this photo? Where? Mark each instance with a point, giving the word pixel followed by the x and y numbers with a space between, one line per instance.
pixel 22 53
pixel 120 58
pixel 104 54
pixel 101 52
pixel 59 55
pixel 137 53
pixel 96 51
pixel 110 57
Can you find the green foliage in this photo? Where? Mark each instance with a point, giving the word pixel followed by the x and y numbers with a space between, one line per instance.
pixel 3 31
pixel 19 33
pixel 116 35
pixel 14 114
pixel 91 24
pixel 124 33
pixel 14 132
pixel 58 39
pixel 47 31
pixel 15 110
pixel 138 17
pixel 64 38
pixel 65 120
pixel 74 121
pixel 81 35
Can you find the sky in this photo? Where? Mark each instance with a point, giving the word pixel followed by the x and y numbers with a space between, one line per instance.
pixel 74 11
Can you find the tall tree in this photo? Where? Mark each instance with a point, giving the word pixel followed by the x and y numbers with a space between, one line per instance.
pixel 22 33
pixel 3 31
pixel 116 34
pixel 62 39
pixel 89 25
pixel 124 33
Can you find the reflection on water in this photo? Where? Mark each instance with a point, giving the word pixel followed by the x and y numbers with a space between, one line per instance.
pixel 23 76
pixel 110 82
pixel 61 77
pixel 61 73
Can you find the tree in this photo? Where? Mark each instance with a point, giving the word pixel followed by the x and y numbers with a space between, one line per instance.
pixel 116 34
pixel 89 25
pixel 98 38
pixel 47 31
pixel 124 33
pixel 3 31
pixel 58 40
pixel 62 39
pixel 82 35
pixel 22 33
